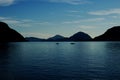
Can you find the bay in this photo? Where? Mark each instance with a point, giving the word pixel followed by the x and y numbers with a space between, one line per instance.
pixel 60 61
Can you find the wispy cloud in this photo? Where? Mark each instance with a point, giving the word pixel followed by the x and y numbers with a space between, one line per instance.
pixel 73 11
pixel 9 20
pixel 86 27
pixel 24 22
pixel 6 2
pixel 37 34
pixel 72 15
pixel 14 22
pixel 84 20
pixel 93 19
pixel 73 2
pixel 106 12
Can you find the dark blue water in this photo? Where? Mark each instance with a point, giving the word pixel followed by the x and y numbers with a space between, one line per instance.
pixel 64 61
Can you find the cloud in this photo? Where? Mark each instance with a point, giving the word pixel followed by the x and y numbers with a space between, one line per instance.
pixel 73 11
pixel 6 2
pixel 84 20
pixel 16 22
pixel 105 12
pixel 9 20
pixel 73 2
pixel 37 34
pixel 93 19
pixel 87 27
pixel 24 22
pixel 2 18
pixel 72 15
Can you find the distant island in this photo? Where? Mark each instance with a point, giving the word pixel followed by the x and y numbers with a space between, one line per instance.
pixel 80 36
pixel 10 35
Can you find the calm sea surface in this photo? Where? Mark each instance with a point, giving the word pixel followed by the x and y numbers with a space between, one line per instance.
pixel 63 61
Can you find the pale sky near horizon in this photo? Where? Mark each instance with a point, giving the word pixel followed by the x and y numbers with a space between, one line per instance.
pixel 46 18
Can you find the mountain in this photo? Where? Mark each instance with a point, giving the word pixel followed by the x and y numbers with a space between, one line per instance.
pixel 9 35
pixel 80 36
pixel 57 38
pixel 34 39
pixel 112 34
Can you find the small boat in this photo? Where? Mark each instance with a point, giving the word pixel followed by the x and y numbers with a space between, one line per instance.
pixel 57 43
pixel 72 43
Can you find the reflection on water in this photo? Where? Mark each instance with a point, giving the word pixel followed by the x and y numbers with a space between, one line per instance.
pixel 48 61
pixel 7 54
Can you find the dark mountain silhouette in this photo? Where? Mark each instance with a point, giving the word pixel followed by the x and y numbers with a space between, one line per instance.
pixel 9 35
pixel 112 34
pixel 34 39
pixel 57 38
pixel 80 36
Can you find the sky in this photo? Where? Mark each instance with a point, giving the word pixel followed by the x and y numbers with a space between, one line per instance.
pixel 46 18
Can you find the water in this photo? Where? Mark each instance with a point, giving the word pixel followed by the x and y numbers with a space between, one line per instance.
pixel 63 61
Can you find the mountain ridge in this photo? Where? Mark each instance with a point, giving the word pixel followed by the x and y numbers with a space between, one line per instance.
pixel 8 34
pixel 112 34
pixel 79 36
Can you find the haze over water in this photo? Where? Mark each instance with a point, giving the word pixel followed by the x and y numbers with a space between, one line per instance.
pixel 63 61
